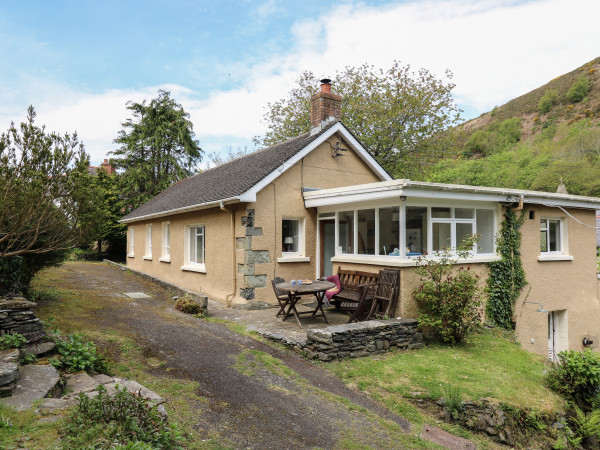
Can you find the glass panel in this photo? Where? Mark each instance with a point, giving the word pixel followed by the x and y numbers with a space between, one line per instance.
pixel 485 228
pixel 192 244
pixel 290 236
pixel 168 239
pixel 441 236
pixel 346 231
pixel 200 246
pixel 389 231
pixel 366 232
pixel 463 231
pixel 416 231
pixel 464 213
pixel 554 235
pixel 440 213
pixel 543 240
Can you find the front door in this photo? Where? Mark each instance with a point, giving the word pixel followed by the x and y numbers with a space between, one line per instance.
pixel 327 247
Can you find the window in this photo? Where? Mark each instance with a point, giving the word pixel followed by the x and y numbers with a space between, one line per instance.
pixel 416 231
pixel 131 241
pixel 389 231
pixel 346 231
pixel 366 232
pixel 166 242
pixel 291 237
pixel 196 245
pixel 550 236
pixel 148 254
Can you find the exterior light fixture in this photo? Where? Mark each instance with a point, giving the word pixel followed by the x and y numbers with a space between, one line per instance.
pixel 540 309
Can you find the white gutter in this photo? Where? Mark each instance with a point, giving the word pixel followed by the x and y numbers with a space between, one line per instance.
pixel 198 207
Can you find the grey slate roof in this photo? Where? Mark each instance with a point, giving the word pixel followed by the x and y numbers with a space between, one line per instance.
pixel 225 181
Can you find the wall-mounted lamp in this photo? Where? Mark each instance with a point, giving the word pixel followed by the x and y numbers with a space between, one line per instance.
pixel 403 198
pixel 540 309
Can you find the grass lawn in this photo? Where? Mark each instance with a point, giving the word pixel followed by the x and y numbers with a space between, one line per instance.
pixel 486 365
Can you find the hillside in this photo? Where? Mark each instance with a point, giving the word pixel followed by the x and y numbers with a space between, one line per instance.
pixel 534 140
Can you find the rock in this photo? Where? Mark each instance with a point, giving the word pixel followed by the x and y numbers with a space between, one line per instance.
pixel 39 349
pixel 54 404
pixel 499 418
pixel 35 381
pixel 491 431
pixel 9 370
pixel 103 379
pixel 558 425
pixel 78 383
pixel 133 387
pixel 9 356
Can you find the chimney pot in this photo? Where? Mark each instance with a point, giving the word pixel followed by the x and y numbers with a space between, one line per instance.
pixel 326 85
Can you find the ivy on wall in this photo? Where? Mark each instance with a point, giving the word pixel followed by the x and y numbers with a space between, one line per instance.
pixel 507 277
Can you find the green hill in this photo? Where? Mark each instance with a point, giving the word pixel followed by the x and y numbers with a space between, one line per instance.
pixel 534 140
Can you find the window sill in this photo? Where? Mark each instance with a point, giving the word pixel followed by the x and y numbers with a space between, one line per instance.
pixel 200 268
pixel 397 261
pixel 556 257
pixel 148 258
pixel 293 259
pixel 165 259
pixel 131 255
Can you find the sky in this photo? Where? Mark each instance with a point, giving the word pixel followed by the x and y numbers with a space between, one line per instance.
pixel 79 62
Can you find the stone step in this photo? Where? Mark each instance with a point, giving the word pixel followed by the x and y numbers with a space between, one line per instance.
pixel 35 381
pixel 9 371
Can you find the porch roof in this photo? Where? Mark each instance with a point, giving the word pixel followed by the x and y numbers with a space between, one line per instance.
pixel 421 189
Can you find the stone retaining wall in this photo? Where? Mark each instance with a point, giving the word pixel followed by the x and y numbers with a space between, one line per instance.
pixel 16 316
pixel 200 299
pixel 355 340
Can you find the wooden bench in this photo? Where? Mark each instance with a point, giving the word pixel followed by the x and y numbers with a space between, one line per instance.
pixel 353 286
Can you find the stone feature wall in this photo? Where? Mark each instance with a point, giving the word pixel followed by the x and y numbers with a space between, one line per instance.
pixel 251 258
pixel 16 316
pixel 355 340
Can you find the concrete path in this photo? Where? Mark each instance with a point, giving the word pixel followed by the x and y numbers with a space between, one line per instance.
pixel 260 409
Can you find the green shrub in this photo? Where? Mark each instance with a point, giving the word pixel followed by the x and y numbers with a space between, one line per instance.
pixel 77 354
pixel 548 100
pixel 449 300
pixel 578 90
pixel 187 305
pixel 79 254
pixel 478 144
pixel 125 420
pixel 15 340
pixel 577 376
pixel 10 275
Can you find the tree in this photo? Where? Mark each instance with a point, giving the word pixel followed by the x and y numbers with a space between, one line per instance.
pixel 403 118
pixel 42 200
pixel 216 159
pixel 40 189
pixel 157 148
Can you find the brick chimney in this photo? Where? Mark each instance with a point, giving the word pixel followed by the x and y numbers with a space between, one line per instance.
pixel 325 107
pixel 108 167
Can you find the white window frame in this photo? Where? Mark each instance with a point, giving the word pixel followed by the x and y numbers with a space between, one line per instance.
pixel 547 221
pixel 298 256
pixel 131 243
pixel 191 259
pixel 453 221
pixel 165 242
pixel 556 255
pixel 148 253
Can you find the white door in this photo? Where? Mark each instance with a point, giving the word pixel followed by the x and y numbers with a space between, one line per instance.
pixel 552 336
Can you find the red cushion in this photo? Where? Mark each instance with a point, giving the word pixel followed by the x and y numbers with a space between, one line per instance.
pixel 331 292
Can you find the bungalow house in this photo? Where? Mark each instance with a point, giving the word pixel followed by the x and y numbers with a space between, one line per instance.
pixel 308 205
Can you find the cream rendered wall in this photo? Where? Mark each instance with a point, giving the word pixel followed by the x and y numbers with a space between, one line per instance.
pixel 282 199
pixel 217 282
pixel 559 285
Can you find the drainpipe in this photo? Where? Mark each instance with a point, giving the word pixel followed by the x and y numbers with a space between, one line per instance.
pixel 233 260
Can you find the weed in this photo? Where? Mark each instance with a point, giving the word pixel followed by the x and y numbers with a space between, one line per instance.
pixel 78 354
pixel 29 358
pixel 14 340
pixel 125 418
pixel 5 421
pixel 187 305
pixel 454 402
pixel 585 425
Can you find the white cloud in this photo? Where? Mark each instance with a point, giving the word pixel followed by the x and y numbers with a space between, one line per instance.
pixel 496 50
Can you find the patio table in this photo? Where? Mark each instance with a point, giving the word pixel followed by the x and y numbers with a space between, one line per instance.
pixel 294 291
